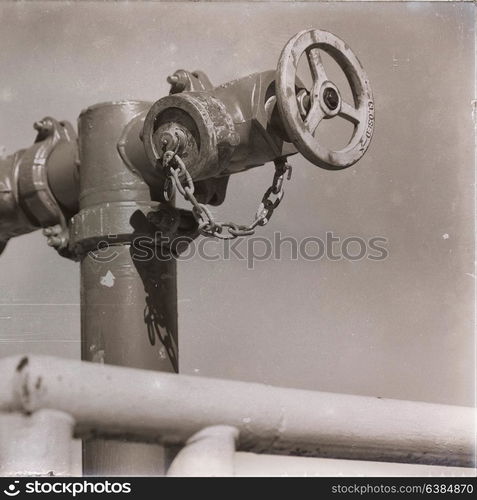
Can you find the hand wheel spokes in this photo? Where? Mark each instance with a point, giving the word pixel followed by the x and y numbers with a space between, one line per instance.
pixel 350 113
pixel 324 100
pixel 316 66
pixel 314 116
pixel 318 73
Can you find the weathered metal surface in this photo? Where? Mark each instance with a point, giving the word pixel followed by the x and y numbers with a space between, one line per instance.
pixel 102 171
pixel 325 101
pixel 130 146
pixel 208 453
pixel 36 445
pixel 209 130
pixel 160 407
pixel 132 151
pixel 128 299
pixel 227 129
pixel 251 104
pixel 39 185
pixel 128 315
pixel 35 181
pixel 14 221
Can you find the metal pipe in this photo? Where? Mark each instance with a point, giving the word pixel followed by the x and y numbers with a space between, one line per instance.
pixel 128 302
pixel 39 186
pixel 14 220
pixel 38 444
pixel 252 464
pixel 208 453
pixel 160 407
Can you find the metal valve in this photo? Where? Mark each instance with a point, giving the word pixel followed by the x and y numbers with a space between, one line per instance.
pixel 302 111
pixel 191 140
pixel 262 117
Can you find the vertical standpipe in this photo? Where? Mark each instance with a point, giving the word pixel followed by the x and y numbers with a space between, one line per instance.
pixel 128 296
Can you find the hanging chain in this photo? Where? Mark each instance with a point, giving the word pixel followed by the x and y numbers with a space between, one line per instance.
pixel 178 178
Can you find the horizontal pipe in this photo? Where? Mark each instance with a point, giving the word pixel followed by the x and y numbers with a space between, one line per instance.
pixel 248 464
pixel 112 402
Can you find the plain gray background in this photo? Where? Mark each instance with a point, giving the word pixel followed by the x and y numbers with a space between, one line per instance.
pixel 399 328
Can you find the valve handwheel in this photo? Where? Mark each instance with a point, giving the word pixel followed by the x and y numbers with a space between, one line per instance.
pixel 324 99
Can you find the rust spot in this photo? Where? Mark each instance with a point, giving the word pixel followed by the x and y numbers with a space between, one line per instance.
pixel 39 380
pixel 23 362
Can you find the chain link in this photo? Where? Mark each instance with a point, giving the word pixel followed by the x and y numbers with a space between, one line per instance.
pixel 179 179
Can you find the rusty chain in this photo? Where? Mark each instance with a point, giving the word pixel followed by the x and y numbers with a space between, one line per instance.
pixel 179 179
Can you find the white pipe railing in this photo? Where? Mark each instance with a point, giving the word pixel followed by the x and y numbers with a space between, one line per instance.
pixel 117 402
pixel 39 444
pixel 212 453
pixel 209 452
pixel 248 464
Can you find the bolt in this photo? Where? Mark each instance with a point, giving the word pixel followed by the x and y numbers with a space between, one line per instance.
pixel 331 98
pixel 173 79
pixel 53 241
pixel 167 140
pixel 42 126
pixel 52 230
pixel 173 139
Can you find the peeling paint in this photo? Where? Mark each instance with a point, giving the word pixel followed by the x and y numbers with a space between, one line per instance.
pixel 108 279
